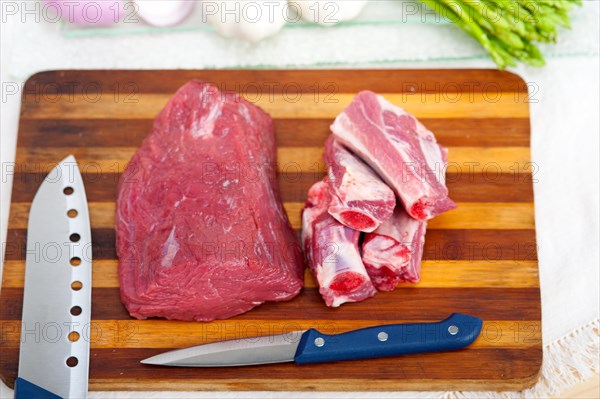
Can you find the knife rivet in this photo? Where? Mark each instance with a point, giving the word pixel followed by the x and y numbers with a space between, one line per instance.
pixel 382 336
pixel 453 330
pixel 319 342
pixel 72 361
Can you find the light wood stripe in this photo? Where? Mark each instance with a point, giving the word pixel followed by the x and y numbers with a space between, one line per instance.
pixel 174 334
pixel 435 274
pixel 468 215
pixel 473 105
pixel 497 216
pixel 491 161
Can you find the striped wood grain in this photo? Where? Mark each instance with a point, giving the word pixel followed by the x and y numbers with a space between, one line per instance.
pixel 479 259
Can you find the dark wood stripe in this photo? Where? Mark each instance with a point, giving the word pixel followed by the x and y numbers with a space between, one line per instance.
pixel 482 245
pixel 103 244
pixel 476 187
pixel 290 132
pixel 504 187
pixel 455 244
pixel 123 365
pixel 83 132
pixel 98 187
pixel 512 363
pixel 486 303
pixel 266 82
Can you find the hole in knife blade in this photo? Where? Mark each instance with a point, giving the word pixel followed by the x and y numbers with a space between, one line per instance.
pixel 74 336
pixel 76 285
pixel 72 213
pixel 72 361
pixel 75 261
pixel 75 237
pixel 68 190
pixel 76 310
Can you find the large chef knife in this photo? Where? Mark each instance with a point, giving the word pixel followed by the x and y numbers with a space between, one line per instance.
pixel 54 354
pixel 310 346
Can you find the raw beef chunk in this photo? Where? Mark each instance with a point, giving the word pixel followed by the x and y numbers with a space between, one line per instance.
pixel 359 199
pixel 332 252
pixel 393 252
pixel 201 231
pixel 400 149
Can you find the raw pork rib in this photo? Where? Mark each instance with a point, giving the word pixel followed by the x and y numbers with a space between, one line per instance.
pixel 398 147
pixel 359 199
pixel 332 252
pixel 201 232
pixel 393 252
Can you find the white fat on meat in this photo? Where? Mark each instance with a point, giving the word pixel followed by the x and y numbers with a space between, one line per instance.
pixel 170 249
pixel 205 125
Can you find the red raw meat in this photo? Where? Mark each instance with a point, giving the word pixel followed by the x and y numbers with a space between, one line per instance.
pixel 400 149
pixel 393 252
pixel 359 199
pixel 332 252
pixel 201 231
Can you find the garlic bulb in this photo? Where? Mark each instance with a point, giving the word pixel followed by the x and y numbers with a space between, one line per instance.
pixel 251 20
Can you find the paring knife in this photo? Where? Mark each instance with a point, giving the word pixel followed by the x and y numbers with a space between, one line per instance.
pixel 310 346
pixel 54 352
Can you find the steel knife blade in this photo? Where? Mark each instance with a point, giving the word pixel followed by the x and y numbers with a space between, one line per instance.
pixel 311 346
pixel 54 348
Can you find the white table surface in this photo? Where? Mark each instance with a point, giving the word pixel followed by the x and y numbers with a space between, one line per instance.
pixel 564 115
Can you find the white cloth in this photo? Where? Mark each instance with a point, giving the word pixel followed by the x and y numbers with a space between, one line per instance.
pixel 564 118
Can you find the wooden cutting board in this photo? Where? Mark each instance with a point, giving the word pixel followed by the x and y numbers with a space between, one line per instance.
pixel 479 259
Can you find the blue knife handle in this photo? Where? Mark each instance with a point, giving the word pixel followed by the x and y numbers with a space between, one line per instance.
pixel 26 390
pixel 457 331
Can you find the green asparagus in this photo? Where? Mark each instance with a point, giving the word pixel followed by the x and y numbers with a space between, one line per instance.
pixel 507 29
